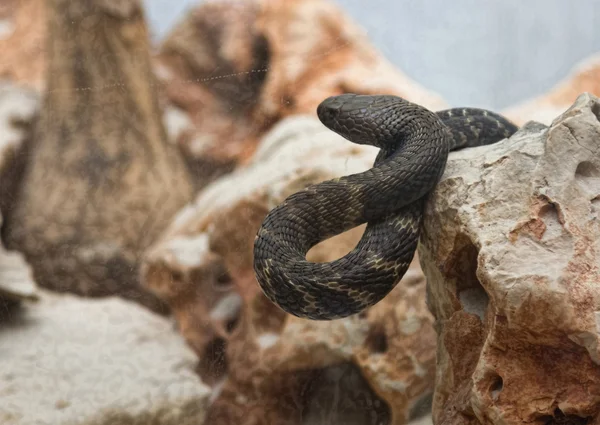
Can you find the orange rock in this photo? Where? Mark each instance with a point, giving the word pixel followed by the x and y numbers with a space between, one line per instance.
pixel 238 67
pixel 267 367
pixel 23 42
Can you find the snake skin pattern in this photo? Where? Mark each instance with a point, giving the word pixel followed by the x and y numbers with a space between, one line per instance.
pixel 414 145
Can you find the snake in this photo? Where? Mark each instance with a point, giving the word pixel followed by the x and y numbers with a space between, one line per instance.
pixel 414 144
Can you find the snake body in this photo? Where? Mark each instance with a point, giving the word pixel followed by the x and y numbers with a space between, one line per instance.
pixel 390 197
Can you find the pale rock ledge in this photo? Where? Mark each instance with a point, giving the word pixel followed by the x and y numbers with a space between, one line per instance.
pixel 511 251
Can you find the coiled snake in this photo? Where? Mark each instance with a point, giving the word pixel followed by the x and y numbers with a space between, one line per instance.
pixel 414 145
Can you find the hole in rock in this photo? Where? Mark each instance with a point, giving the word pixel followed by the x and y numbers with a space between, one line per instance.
pixel 340 395
pixel 559 418
pixel 224 279
pixel 377 341
pixel 551 217
pixel 11 311
pixel 595 205
pixel 549 213
pixel 496 386
pixel 588 177
pixel 213 364
pixel 421 407
pixel 176 276
pixel 596 110
pixel 461 267
pixel 232 323
pixel 587 169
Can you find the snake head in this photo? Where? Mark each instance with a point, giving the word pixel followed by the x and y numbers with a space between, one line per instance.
pixel 364 119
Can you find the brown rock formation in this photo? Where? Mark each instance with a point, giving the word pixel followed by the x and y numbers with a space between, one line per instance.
pixel 511 251
pixel 267 367
pixel 237 67
pixel 101 181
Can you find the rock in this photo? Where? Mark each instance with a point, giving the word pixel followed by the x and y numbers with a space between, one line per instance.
pixel 239 67
pixel 585 77
pixel 71 361
pixel 23 46
pixel 259 360
pixel 511 251
pixel 18 108
pixel 101 181
pixel 16 279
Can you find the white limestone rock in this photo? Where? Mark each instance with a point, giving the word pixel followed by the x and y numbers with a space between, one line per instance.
pixel 73 361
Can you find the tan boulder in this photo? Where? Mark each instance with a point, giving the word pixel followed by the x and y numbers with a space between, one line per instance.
pixel 511 251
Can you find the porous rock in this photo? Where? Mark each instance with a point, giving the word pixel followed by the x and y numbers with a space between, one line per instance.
pixel 238 67
pixel 511 251
pixel 74 361
pixel 585 77
pixel 265 366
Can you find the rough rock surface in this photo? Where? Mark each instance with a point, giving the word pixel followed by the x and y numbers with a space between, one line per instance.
pixel 267 367
pixel 73 361
pixel 237 67
pixel 511 251
pixel 585 77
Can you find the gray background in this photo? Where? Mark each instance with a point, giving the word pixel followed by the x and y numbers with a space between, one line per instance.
pixel 485 53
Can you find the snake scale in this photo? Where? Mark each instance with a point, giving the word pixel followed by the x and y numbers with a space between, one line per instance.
pixel 390 197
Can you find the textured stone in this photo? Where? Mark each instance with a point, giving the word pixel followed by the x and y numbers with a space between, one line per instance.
pixel 585 77
pixel 265 366
pixel 511 251
pixel 238 67
pixel 73 361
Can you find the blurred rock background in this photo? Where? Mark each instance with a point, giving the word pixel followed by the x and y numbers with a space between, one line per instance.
pixel 236 83
pixel 488 54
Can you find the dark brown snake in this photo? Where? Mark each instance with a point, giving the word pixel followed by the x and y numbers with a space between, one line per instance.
pixel 414 145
